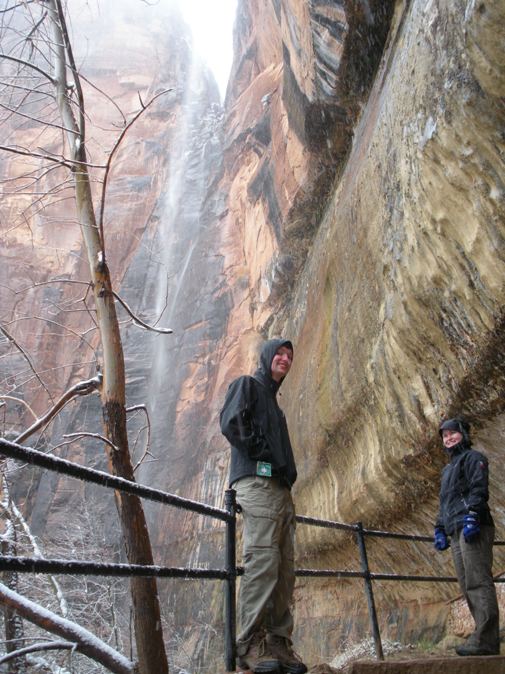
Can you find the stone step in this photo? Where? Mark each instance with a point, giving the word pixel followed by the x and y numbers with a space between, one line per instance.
pixel 467 665
pixel 453 665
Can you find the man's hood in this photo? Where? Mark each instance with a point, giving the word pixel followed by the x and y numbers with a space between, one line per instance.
pixel 268 351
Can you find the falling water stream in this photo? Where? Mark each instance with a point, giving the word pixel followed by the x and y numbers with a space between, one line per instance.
pixel 179 272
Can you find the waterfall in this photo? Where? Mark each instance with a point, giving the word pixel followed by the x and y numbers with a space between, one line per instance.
pixel 173 266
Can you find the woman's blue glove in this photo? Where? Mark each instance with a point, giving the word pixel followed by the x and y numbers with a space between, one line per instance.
pixel 471 527
pixel 441 540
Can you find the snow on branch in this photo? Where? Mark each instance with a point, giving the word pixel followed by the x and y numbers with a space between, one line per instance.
pixel 146 452
pixel 45 646
pixel 81 388
pixel 85 642
pixel 11 510
pixel 138 321
pixel 83 434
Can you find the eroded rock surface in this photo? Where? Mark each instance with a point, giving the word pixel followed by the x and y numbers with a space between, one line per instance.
pixel 395 304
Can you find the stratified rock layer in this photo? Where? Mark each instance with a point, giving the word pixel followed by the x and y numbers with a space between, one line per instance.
pixel 396 300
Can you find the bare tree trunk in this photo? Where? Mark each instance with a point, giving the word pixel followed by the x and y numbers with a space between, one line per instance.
pixel 146 611
pixel 14 630
pixel 147 620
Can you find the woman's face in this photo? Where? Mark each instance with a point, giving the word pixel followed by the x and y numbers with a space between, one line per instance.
pixel 451 438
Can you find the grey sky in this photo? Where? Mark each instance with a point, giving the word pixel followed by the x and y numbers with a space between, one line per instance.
pixel 211 23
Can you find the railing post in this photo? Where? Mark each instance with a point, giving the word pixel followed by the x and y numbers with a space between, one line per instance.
pixel 369 591
pixel 231 570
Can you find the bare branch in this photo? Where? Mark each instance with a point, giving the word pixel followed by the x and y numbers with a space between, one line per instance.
pixel 30 90
pixel 36 26
pixel 105 94
pixel 136 408
pixel 146 451
pixel 92 435
pixel 54 280
pixel 19 400
pixel 45 122
pixel 36 156
pixel 12 7
pixel 81 388
pixel 138 321
pixel 86 642
pixel 63 161
pixel 46 646
pixel 12 510
pixel 49 320
pixel 166 302
pixel 80 363
pixel 70 54
pixel 32 178
pixel 114 150
pixel 28 360
pixel 30 65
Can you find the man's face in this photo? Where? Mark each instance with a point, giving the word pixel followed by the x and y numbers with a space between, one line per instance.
pixel 451 438
pixel 281 363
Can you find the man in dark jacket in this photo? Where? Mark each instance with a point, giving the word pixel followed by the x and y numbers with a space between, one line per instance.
pixel 465 517
pixel 262 471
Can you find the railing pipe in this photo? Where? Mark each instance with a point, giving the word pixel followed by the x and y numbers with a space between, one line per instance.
pixel 74 567
pixel 397 536
pixel 369 591
pixel 329 524
pixel 37 458
pixel 230 584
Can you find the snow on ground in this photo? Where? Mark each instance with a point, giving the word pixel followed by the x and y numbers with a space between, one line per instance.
pixel 364 649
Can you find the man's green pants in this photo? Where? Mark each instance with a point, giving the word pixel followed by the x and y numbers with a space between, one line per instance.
pixel 266 588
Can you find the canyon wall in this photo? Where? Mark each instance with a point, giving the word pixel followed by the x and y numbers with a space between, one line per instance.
pixel 371 233
pixel 349 196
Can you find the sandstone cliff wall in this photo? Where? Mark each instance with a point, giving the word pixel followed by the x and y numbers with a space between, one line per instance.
pixel 393 293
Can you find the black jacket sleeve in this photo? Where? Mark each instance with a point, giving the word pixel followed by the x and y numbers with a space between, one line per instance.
pixel 476 471
pixel 237 419
pixel 439 522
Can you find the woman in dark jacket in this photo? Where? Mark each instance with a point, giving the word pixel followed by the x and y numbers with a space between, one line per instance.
pixel 464 518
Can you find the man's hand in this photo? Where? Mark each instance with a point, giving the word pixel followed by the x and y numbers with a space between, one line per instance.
pixel 441 541
pixel 471 527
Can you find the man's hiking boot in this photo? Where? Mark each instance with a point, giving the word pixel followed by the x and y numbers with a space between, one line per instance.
pixel 282 649
pixel 259 657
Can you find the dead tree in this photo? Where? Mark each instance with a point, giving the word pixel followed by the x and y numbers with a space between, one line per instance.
pixel 14 629
pixel 61 77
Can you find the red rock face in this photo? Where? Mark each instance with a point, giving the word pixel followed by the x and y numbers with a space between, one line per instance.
pixel 159 179
pixel 43 245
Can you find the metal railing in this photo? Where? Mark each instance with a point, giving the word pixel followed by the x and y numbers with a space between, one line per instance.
pixel 365 572
pixel 229 573
pixel 64 567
